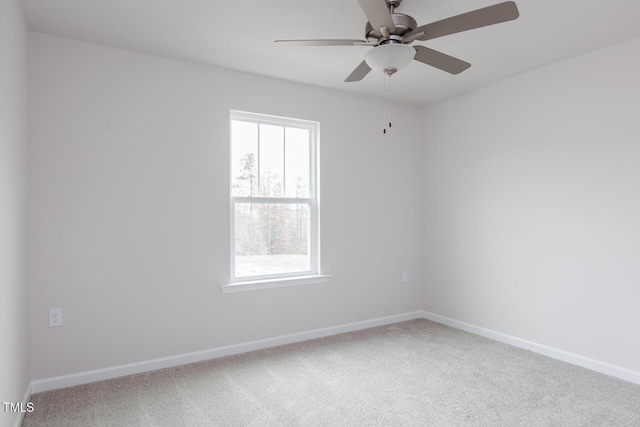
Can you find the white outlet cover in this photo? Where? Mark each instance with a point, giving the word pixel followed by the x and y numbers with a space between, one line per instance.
pixel 55 317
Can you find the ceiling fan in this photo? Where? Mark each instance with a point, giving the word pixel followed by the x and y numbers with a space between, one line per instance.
pixel 390 33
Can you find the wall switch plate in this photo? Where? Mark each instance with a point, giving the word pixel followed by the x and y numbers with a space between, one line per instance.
pixel 405 277
pixel 55 317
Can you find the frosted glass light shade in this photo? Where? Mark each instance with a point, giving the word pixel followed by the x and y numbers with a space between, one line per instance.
pixel 390 56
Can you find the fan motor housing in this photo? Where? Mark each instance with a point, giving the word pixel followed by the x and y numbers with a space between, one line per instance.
pixel 403 23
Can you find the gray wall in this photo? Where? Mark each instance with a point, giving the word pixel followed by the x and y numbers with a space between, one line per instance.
pixel 14 289
pixel 533 206
pixel 129 208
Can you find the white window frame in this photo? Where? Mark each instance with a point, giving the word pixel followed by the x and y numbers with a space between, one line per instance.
pixel 283 279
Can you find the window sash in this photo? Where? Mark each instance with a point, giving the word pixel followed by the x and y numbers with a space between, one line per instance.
pixel 313 250
pixel 311 200
pixel 252 199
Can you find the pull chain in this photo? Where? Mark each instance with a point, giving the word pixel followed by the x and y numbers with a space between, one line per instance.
pixel 384 88
pixel 387 105
pixel 389 100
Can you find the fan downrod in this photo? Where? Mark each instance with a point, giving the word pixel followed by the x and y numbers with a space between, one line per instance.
pixel 392 4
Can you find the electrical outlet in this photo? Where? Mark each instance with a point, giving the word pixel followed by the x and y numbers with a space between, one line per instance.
pixel 55 317
pixel 405 277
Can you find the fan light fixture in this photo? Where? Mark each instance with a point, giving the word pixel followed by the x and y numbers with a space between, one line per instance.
pixel 390 58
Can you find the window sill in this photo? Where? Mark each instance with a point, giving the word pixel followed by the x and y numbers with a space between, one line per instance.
pixel 255 285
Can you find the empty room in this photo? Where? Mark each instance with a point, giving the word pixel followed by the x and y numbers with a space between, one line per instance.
pixel 354 212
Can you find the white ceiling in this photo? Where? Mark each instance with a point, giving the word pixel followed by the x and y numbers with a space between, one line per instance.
pixel 239 34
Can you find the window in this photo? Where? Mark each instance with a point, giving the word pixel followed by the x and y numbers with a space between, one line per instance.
pixel 274 200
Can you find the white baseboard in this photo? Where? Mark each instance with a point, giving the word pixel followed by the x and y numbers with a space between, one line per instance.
pixel 25 400
pixel 63 381
pixel 554 353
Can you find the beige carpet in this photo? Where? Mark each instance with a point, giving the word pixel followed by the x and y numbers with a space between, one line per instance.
pixel 416 373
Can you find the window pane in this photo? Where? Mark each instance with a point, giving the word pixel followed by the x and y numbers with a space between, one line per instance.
pixel 244 157
pixel 271 160
pixel 297 162
pixel 271 238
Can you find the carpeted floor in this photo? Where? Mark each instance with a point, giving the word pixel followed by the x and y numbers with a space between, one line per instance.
pixel 416 373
